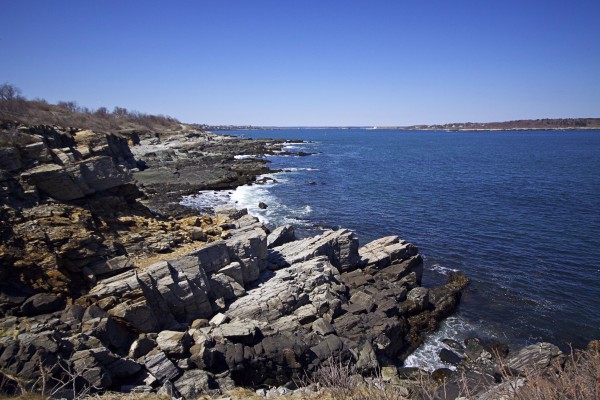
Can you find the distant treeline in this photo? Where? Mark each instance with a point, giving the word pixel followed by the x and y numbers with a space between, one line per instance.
pixel 14 107
pixel 547 123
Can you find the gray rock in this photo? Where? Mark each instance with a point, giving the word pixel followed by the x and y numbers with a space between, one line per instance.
pixel 250 250
pixel 340 247
pixel 314 282
pixel 198 234
pixel 323 327
pixel 159 296
pixel 219 319
pixel 36 152
pixel 450 357
pixel 161 367
pixel 195 383
pixel 539 357
pixel 54 181
pixel 114 265
pixel 280 236
pixel 419 296
pixel 10 159
pixel 174 343
pixel 234 270
pixel 41 303
pixel 141 346
pixel 231 212
pixel 212 257
pixel 382 252
pixel 366 358
pixel 239 331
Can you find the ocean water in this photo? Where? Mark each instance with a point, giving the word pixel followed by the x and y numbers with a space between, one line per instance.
pixel 517 212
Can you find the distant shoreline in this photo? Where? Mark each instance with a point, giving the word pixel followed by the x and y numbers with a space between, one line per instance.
pixel 558 124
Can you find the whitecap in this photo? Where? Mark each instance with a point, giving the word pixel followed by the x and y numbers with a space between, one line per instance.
pixel 206 199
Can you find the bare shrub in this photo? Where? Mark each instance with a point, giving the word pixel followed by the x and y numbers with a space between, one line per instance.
pixel 578 379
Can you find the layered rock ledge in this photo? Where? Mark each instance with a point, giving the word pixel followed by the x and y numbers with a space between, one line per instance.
pixel 234 312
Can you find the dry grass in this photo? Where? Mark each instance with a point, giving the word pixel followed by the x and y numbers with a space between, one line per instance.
pixel 578 379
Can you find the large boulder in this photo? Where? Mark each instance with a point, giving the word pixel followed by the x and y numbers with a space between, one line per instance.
pixel 538 357
pixel 280 236
pixel 77 179
pixel 340 247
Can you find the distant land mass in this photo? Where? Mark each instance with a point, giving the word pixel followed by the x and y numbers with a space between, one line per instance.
pixel 523 124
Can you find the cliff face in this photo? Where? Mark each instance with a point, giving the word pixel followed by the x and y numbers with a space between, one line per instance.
pixel 68 205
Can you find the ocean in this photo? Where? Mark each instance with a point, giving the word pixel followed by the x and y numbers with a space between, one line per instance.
pixel 517 212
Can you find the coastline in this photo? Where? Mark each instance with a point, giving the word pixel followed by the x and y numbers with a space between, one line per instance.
pixel 183 320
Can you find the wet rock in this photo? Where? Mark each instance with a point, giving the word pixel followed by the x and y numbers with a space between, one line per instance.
pixel 450 357
pixel 262 206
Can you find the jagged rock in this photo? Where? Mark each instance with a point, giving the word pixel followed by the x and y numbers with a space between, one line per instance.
pixel 250 250
pixel 239 331
pixel 262 205
pixel 161 367
pixel 234 270
pixel 419 297
pixel 160 295
pixel 141 346
pixel 450 357
pixel 36 152
pixel 10 159
pixel 280 236
pixel 219 319
pixel 41 303
pixel 202 356
pixel 90 365
pixel 76 180
pixel 322 327
pixel 384 251
pixel 315 282
pixel 224 286
pixel 230 212
pixel 175 344
pixel 198 234
pixel 537 357
pixel 114 265
pixel 195 383
pixel 340 247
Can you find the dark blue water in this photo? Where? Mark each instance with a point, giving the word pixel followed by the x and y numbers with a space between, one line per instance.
pixel 518 212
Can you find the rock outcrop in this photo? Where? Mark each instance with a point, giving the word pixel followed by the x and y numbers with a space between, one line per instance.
pixel 232 312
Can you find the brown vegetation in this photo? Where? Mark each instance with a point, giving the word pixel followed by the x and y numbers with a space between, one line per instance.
pixel 527 124
pixel 16 108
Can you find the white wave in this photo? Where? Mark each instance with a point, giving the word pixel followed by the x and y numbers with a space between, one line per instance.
pixel 427 355
pixel 294 169
pixel 276 213
pixel 207 199
pixel 442 270
pixel 245 156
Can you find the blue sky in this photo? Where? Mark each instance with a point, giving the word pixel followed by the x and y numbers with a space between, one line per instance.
pixel 280 62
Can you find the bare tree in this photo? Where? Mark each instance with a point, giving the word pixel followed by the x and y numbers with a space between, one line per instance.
pixel 9 92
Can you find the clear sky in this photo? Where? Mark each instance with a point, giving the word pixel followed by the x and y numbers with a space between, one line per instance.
pixel 283 62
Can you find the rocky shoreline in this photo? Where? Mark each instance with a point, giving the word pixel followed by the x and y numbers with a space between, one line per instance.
pixel 109 284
